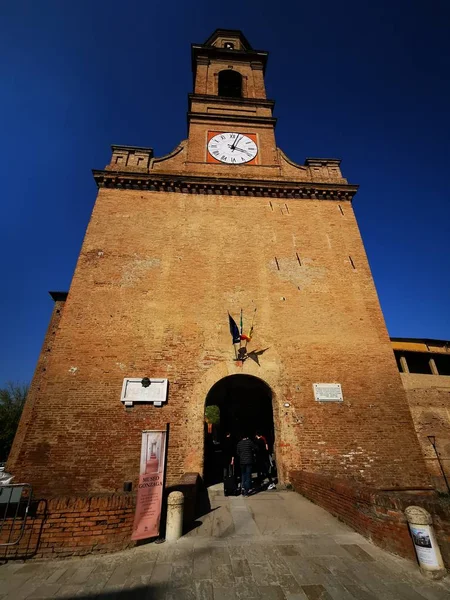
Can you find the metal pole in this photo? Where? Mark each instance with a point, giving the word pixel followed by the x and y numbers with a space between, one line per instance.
pixel 432 440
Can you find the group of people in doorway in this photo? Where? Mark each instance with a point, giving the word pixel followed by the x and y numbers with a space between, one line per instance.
pixel 245 457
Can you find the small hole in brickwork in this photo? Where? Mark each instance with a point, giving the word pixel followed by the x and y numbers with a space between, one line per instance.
pixel 270 204
pixel 287 208
pixel 298 259
pixel 276 262
pixel 340 208
pixel 352 263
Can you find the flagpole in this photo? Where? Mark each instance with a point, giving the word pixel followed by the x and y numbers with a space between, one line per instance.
pixel 251 329
pixel 242 326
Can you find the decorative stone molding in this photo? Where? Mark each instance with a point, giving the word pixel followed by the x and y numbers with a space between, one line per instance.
pixel 226 187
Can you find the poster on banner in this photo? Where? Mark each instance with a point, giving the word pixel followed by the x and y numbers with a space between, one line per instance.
pixel 424 548
pixel 151 485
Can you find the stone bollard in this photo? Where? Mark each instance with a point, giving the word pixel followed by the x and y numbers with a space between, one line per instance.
pixel 425 543
pixel 174 526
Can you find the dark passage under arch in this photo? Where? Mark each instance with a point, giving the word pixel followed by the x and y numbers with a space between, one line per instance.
pixel 245 406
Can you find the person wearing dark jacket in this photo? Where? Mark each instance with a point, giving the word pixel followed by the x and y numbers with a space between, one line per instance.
pixel 245 451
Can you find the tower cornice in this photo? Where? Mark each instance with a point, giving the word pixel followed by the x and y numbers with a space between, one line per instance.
pixel 213 99
pixel 189 184
pixel 246 119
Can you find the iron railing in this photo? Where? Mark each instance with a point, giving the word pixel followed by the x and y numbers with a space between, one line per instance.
pixel 15 500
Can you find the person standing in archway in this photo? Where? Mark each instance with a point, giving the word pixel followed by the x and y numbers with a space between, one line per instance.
pixel 263 461
pixel 228 452
pixel 246 450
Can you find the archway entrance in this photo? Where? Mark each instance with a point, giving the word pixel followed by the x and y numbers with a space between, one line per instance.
pixel 244 405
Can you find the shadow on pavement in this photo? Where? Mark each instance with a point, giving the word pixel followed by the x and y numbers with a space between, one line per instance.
pixel 138 593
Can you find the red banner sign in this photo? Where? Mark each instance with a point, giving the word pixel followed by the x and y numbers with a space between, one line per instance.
pixel 151 485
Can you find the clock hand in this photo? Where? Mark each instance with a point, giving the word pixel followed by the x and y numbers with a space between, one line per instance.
pixel 240 150
pixel 233 147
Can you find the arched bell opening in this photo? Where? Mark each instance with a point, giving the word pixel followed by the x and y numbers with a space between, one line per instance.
pixel 237 404
pixel 230 84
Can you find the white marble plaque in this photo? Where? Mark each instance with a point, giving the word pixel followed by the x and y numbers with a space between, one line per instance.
pixel 328 392
pixel 134 391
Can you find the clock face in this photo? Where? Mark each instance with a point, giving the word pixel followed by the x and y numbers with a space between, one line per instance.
pixel 232 148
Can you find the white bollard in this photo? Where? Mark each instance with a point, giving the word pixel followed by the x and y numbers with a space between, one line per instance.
pixel 174 527
pixel 425 542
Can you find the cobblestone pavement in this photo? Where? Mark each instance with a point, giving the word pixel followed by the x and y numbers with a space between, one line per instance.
pixel 274 546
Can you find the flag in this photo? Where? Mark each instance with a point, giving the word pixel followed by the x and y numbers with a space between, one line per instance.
pixel 250 333
pixel 234 330
pixel 245 337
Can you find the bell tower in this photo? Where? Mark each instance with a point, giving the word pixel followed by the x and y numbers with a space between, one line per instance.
pixel 230 100
pixel 224 222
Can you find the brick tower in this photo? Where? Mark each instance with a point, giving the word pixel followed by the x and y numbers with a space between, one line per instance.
pixel 225 221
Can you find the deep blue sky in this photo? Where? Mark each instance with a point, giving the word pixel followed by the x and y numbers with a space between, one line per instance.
pixel 365 82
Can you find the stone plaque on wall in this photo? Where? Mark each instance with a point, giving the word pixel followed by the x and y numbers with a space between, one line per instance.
pixel 328 392
pixel 154 391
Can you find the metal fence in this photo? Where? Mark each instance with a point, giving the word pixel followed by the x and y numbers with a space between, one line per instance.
pixel 15 500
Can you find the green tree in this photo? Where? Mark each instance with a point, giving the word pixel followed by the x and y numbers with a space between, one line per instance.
pixel 12 401
pixel 212 414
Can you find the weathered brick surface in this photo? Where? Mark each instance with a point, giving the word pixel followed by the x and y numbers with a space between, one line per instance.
pixel 40 379
pixel 376 515
pixel 429 401
pixel 155 277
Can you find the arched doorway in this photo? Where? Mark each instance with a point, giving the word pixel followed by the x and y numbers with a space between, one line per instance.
pixel 244 405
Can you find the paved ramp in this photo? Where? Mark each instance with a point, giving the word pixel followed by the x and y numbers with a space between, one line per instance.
pixel 272 546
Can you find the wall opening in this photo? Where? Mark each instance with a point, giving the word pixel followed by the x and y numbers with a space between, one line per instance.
pixel 230 84
pixel 245 406
pixel 418 362
pixel 442 363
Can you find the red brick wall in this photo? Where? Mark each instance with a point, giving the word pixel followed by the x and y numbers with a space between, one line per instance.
pixel 378 516
pixel 76 525
pixel 73 526
pixel 155 277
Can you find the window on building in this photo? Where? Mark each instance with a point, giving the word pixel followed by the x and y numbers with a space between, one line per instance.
pixel 418 362
pixel 230 84
pixel 442 363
